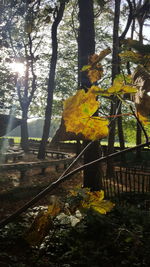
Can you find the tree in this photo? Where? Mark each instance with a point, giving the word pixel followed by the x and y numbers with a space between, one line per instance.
pixel 86 46
pixel 19 24
pixel 25 24
pixel 58 14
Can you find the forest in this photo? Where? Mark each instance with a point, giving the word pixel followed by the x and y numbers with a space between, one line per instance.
pixel 79 71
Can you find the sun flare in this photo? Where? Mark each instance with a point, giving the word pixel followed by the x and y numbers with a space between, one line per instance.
pixel 18 68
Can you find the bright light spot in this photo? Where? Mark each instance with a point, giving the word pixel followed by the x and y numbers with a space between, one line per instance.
pixel 148 93
pixel 18 68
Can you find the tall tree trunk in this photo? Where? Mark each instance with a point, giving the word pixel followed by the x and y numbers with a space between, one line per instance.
pixel 24 130
pixel 51 81
pixel 86 47
pixel 138 128
pixel 115 71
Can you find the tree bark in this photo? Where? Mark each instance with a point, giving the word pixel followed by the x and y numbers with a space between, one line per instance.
pixel 86 47
pixel 51 81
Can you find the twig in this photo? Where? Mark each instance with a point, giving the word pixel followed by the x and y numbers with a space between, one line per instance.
pixel 53 185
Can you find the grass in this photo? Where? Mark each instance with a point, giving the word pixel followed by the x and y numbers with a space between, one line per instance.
pixel 103 142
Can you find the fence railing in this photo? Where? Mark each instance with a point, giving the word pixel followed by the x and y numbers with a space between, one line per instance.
pixel 126 181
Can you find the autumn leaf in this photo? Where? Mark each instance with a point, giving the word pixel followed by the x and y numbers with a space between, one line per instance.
pixel 77 114
pixel 142 118
pixel 103 207
pixel 95 74
pixel 94 68
pixel 121 85
pixel 86 67
pixel 94 200
pixel 131 56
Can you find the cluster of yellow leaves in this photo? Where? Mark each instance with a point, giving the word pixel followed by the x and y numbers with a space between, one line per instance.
pixel 94 68
pixel 77 114
pixel 131 56
pixel 121 85
pixel 143 118
pixel 93 200
pixel 136 57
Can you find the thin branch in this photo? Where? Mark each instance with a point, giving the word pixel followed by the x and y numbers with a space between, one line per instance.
pixel 130 17
pixel 66 177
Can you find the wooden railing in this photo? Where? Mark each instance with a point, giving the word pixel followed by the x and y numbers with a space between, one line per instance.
pixel 55 159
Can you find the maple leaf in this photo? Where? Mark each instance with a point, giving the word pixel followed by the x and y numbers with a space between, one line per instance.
pixel 77 114
pixel 94 200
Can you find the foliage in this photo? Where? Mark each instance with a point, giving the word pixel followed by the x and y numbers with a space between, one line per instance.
pixel 72 212
pixel 90 200
pixel 79 109
pixel 94 68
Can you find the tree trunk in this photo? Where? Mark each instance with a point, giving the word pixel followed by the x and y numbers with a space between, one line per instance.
pixel 115 71
pixel 51 82
pixel 138 128
pixel 86 47
pixel 24 131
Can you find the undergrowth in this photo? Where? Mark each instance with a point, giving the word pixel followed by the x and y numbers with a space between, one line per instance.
pixel 119 238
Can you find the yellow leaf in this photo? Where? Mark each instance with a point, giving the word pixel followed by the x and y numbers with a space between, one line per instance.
pixel 81 103
pixel 142 118
pixel 95 128
pixel 77 113
pixel 129 89
pixel 120 85
pixel 131 56
pixel 103 207
pixel 94 200
pixel 98 91
pixel 86 67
